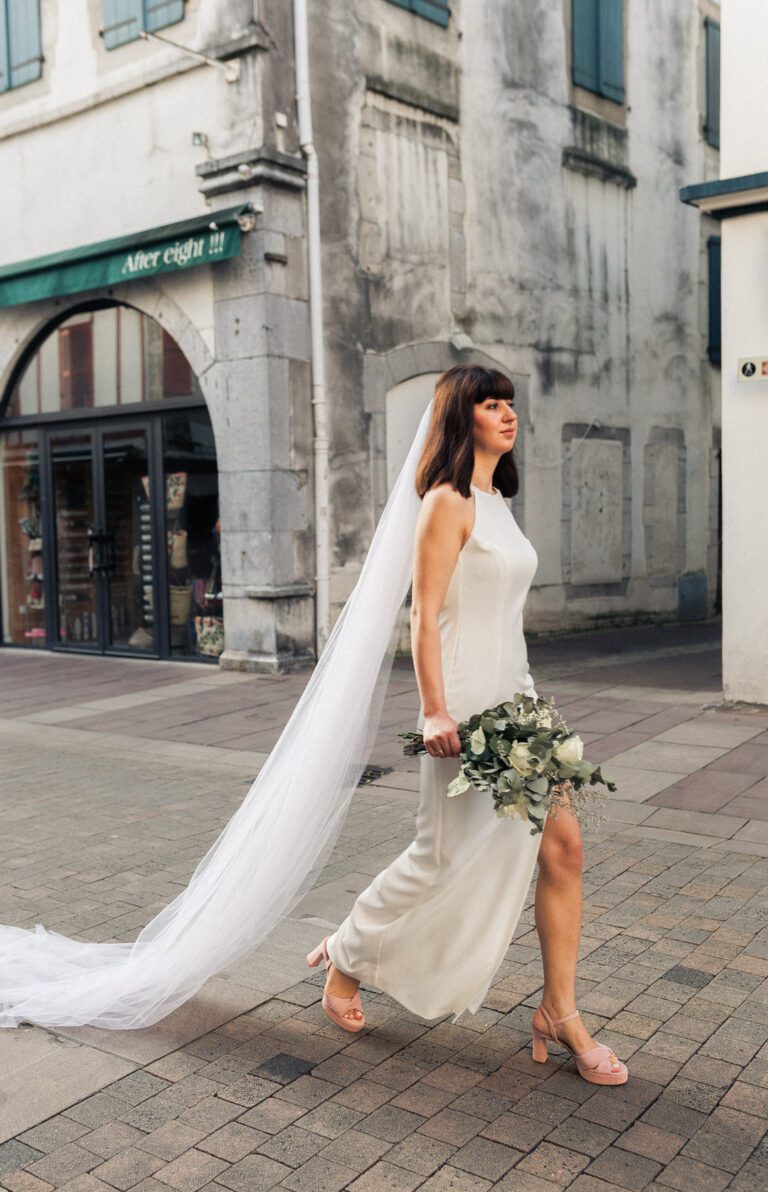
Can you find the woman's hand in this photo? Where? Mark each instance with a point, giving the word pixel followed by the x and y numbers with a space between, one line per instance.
pixel 440 736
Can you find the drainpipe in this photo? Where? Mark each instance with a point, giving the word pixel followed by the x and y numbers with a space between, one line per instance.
pixel 317 339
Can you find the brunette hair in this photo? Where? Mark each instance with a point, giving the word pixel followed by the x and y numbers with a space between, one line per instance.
pixel 449 452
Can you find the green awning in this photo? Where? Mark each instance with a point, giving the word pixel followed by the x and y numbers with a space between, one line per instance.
pixel 199 241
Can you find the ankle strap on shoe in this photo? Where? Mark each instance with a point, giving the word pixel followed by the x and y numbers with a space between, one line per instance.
pixel 565 1018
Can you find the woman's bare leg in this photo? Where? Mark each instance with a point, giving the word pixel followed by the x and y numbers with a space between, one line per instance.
pixel 558 922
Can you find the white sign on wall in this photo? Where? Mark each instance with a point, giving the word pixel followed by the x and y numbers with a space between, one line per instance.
pixel 753 368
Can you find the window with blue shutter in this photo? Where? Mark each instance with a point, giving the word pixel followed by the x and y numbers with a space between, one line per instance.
pixel 438 11
pixel 21 54
pixel 125 19
pixel 712 120
pixel 714 337
pixel 597 46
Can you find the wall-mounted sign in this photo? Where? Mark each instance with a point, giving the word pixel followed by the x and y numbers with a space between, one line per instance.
pixel 203 240
pixel 753 368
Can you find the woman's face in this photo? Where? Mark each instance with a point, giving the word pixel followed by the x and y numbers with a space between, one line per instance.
pixel 495 424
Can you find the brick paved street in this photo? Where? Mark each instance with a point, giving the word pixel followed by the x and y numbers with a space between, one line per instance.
pixel 116 777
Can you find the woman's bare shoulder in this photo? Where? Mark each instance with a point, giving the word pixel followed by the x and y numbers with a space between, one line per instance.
pixel 444 497
pixel 445 511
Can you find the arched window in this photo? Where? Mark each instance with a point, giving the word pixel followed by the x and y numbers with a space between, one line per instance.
pixel 103 418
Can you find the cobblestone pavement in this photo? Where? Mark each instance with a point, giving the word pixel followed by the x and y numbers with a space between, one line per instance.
pixel 116 777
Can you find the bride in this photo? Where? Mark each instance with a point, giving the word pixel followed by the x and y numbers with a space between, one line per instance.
pixel 433 927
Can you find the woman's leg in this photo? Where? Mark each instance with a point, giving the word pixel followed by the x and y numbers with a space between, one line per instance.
pixel 558 923
pixel 341 985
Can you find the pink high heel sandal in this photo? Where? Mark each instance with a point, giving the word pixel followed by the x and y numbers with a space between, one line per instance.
pixel 336 1007
pixel 598 1065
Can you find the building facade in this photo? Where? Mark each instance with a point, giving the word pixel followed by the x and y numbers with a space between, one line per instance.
pixel 498 184
pixel 736 202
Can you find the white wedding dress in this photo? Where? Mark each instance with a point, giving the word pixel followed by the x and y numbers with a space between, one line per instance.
pixel 432 928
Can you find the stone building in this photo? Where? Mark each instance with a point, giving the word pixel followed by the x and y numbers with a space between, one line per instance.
pixel 736 201
pixel 497 183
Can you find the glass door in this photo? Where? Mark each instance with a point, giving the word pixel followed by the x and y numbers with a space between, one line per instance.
pixel 103 538
pixel 126 541
pixel 78 607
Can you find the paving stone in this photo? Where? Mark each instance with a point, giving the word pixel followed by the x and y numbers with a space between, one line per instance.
pixel 385 1176
pixel 210 1114
pixel 544 1107
pixel 516 1130
pixel 96 1110
pixel 718 1150
pixel 652 1142
pixel 451 1126
pixel 576 1134
pixel 678 1119
pixel 283 1068
pixel 329 1119
pixel 254 1173
pixel 171 1140
pixel 355 1150
pixel 624 1168
pixel 127 1167
pixel 364 1096
pixel 308 1091
pixel 272 1115
pixel 391 1123
pixel 318 1175
pixel 450 1179
pixel 690 1176
pixel 52 1134
pixel 108 1140
pixel 420 1153
pixel 232 1142
pixel 64 1164
pixel 554 1163
pixel 453 1078
pixel 425 1099
pixel 15 1154
pixel 292 1146
pixel 23 1181
pixel 483 1157
pixel 192 1170
pixel 137 1086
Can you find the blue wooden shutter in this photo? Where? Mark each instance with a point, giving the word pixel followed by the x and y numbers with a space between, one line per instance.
pixel 4 73
pixel 123 21
pixel 611 49
pixel 434 10
pixel 160 13
pixel 584 43
pixel 715 303
pixel 23 42
pixel 712 124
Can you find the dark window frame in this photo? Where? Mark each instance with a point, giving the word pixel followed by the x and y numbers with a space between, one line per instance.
pixel 712 82
pixel 714 300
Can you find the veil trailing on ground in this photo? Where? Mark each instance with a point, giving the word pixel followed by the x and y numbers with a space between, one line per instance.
pixel 273 847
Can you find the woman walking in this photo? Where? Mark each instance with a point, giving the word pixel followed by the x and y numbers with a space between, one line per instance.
pixel 433 927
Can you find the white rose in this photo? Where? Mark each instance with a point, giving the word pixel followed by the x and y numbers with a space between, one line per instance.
pixel 520 757
pixel 570 750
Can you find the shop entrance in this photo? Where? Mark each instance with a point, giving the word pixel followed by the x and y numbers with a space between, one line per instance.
pixel 102 539
pixel 109 518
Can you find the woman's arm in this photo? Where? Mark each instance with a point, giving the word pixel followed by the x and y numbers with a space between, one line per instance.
pixel 443 526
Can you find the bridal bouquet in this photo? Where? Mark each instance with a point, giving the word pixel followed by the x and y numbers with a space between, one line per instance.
pixel 524 754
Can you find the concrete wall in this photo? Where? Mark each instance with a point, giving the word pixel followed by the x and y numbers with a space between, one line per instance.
pixel 745 333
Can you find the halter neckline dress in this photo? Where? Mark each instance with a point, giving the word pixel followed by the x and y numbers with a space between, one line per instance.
pixel 433 927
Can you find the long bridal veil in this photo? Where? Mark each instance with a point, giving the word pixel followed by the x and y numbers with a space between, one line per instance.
pixel 274 845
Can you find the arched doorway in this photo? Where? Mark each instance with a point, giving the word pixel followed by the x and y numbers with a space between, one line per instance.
pixel 109 530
